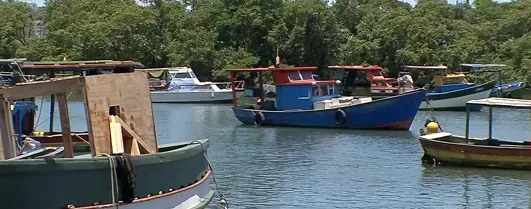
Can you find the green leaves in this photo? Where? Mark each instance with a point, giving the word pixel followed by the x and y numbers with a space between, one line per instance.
pixel 212 36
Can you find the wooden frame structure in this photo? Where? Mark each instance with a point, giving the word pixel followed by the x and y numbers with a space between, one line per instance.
pixel 113 103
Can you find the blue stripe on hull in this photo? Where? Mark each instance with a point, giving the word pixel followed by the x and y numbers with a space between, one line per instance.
pixel 396 112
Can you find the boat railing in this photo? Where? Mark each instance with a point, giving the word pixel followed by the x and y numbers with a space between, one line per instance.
pixel 228 85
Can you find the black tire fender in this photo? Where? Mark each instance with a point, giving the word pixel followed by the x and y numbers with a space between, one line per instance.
pixel 259 118
pixel 341 117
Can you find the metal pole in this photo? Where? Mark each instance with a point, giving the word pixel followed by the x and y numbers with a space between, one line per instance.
pixel 467 126
pixel 52 105
pixel 490 123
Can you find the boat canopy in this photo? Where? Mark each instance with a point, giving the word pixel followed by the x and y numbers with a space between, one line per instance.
pixel 357 67
pixel 483 65
pixel 501 103
pixel 419 67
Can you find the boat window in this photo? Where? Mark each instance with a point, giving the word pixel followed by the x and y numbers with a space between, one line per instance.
pixel 294 75
pixel 181 75
pixel 377 73
pixel 202 87
pixel 307 75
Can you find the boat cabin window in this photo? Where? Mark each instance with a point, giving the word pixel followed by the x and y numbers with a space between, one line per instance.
pixel 181 75
pixel 455 81
pixel 294 75
pixel 377 73
pixel 323 90
pixel 307 75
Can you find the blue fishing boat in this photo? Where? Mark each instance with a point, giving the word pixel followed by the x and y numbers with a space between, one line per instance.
pixel 301 101
pixel 451 91
pixel 507 90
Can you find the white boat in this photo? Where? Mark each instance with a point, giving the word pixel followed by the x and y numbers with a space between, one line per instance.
pixel 181 85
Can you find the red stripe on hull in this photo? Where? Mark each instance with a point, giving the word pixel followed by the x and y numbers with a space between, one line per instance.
pixel 476 149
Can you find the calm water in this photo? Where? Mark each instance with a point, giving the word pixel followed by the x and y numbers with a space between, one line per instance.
pixel 262 167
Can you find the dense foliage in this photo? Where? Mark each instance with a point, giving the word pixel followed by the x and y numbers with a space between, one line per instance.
pixel 212 36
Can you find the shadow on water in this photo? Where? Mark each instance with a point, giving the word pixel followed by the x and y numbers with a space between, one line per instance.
pixel 480 187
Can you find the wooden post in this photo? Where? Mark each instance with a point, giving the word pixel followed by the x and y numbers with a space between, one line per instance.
pixel 467 126
pixel 65 125
pixel 490 123
pixel 7 145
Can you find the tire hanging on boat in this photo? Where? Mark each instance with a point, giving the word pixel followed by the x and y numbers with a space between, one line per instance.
pixel 259 118
pixel 126 176
pixel 341 117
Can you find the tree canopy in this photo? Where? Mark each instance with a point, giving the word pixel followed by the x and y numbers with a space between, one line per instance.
pixel 212 36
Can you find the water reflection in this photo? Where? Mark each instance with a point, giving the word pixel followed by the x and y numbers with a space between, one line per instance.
pixel 482 188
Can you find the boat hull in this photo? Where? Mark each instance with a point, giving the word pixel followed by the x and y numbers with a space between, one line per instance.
pixel 456 100
pixel 515 91
pixel 193 96
pixel 396 113
pixel 464 154
pixel 175 177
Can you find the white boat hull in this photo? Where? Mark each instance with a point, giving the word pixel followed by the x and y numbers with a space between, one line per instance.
pixel 455 102
pixel 195 196
pixel 223 96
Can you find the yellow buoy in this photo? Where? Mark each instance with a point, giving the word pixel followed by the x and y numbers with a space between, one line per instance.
pixel 432 127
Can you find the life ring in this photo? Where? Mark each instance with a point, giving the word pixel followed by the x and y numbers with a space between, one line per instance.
pixel 259 118
pixel 341 117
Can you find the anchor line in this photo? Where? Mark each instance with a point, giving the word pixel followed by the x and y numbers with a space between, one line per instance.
pixel 114 181
pixel 222 201
pixel 432 113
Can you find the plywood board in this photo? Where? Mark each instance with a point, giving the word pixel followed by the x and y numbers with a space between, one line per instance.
pixel 128 91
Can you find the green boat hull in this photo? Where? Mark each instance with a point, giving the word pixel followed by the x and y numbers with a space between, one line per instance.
pixel 85 181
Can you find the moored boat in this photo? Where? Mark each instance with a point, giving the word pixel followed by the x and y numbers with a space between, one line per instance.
pixel 302 101
pixel 181 85
pixel 451 91
pixel 513 90
pixel 125 168
pixel 446 148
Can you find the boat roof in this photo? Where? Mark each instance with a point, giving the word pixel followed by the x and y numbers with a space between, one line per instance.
pixel 501 102
pixel 357 67
pixel 272 69
pixel 421 67
pixel 77 65
pixel 483 65
pixel 166 68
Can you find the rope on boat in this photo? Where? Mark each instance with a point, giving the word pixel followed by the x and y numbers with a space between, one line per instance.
pixel 222 202
pixel 114 181
pixel 432 113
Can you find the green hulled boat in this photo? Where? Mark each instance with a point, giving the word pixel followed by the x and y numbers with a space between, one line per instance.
pixel 125 167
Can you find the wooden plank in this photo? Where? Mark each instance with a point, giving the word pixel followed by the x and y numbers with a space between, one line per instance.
pixel 144 147
pixel 131 146
pixel 117 140
pixel 129 92
pixel 41 88
pixel 7 145
pixel 502 103
pixel 89 118
pixel 65 125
